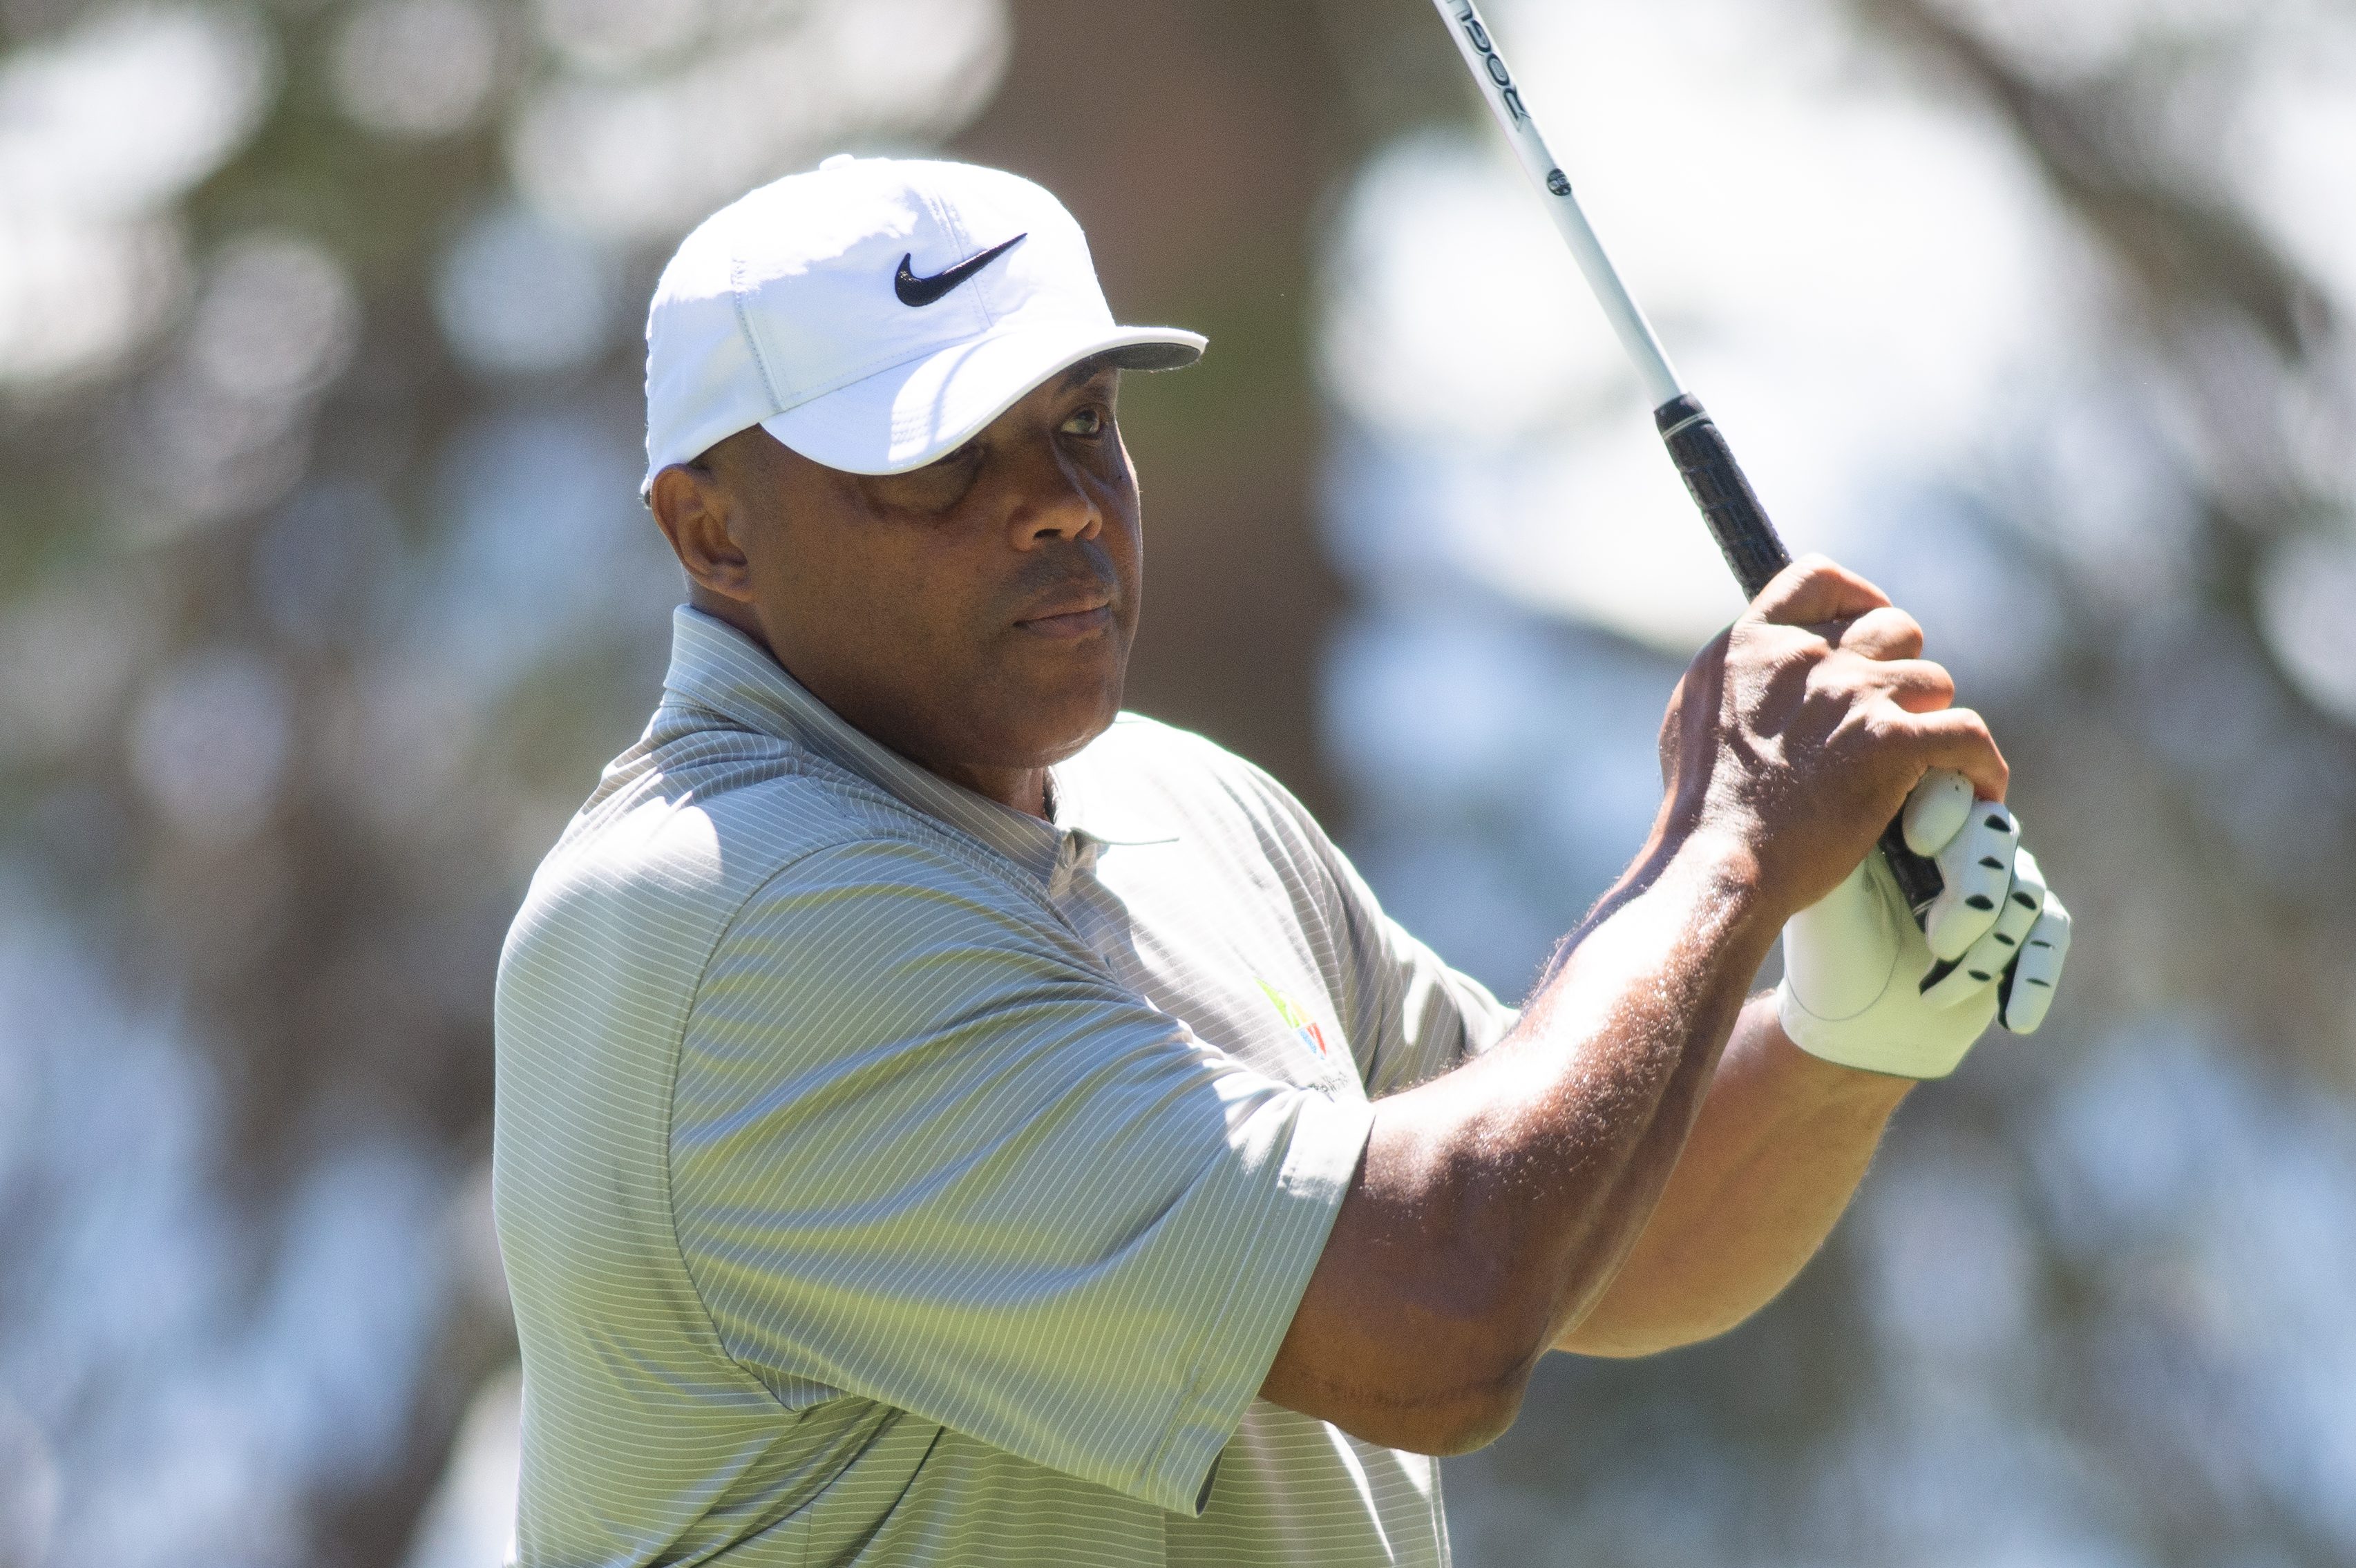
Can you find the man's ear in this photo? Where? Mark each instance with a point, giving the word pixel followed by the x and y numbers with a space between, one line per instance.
pixel 695 511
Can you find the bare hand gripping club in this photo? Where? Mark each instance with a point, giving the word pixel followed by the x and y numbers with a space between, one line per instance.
pixel 1736 519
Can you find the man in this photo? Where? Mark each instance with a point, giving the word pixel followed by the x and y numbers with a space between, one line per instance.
pixel 944 1120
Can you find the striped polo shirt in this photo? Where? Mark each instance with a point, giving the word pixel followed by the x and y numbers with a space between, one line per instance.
pixel 888 1177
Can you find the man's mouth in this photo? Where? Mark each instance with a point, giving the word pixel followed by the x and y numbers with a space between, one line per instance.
pixel 1070 615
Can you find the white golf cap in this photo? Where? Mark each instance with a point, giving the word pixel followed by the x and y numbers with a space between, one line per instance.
pixel 875 314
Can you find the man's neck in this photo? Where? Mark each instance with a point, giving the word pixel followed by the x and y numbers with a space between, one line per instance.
pixel 1018 789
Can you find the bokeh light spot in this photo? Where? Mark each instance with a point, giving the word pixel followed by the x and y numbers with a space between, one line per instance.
pixel 211 741
pixel 277 319
pixel 415 68
pixel 515 292
pixel 2307 608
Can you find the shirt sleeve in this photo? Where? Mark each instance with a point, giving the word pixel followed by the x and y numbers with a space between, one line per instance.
pixel 1415 1017
pixel 926 1151
pixel 1410 1015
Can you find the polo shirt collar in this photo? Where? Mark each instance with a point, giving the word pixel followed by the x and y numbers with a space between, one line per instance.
pixel 716 666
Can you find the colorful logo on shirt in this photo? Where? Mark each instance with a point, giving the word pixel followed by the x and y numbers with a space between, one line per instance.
pixel 1296 1019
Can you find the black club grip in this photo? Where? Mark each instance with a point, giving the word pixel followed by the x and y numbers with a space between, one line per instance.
pixel 1918 878
pixel 1752 548
pixel 1755 553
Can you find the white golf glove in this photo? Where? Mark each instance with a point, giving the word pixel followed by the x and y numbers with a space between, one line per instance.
pixel 1865 988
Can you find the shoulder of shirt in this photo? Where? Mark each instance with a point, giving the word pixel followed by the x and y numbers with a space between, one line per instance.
pixel 1192 774
pixel 1140 745
pixel 716 817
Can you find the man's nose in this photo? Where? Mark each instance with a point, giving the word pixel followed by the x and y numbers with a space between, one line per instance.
pixel 1052 498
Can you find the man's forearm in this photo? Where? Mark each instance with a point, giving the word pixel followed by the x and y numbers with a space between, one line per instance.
pixel 1780 1146
pixel 1631 1025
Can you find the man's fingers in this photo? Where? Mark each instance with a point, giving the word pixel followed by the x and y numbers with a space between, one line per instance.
pixel 1918 685
pixel 1977 867
pixel 2001 946
pixel 1813 591
pixel 1957 739
pixel 1937 810
pixel 2029 989
pixel 2023 905
pixel 1887 632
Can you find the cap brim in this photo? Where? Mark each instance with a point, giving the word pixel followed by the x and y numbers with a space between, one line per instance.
pixel 921 412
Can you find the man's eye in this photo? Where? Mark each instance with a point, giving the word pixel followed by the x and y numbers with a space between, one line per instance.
pixel 935 487
pixel 1087 423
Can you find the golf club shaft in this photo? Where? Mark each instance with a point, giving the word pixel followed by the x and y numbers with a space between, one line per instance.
pixel 1753 551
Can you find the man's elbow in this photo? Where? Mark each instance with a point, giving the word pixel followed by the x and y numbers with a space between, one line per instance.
pixel 1458 1423
pixel 1479 1420
pixel 1501 1326
pixel 1445 1375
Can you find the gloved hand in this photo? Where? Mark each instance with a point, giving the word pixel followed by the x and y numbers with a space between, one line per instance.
pixel 1865 988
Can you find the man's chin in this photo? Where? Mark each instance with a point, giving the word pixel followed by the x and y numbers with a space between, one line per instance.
pixel 1071 741
pixel 1050 728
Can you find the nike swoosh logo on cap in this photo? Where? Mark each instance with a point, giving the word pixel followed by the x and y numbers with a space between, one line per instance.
pixel 917 292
